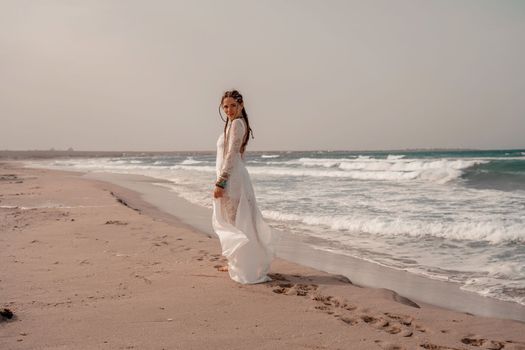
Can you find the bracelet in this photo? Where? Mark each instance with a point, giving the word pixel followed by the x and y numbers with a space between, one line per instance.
pixel 221 183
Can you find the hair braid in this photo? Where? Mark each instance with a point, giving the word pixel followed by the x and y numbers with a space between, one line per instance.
pixel 236 95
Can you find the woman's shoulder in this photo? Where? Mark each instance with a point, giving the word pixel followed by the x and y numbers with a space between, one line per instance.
pixel 239 122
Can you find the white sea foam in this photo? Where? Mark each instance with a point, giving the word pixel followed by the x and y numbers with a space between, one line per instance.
pixel 190 160
pixel 204 168
pixel 395 156
pixel 438 171
pixel 270 156
pixel 357 175
pixel 438 175
pixel 389 164
pixel 493 231
pixel 484 283
pixel 502 289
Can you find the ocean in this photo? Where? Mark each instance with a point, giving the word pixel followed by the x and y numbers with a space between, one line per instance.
pixel 456 216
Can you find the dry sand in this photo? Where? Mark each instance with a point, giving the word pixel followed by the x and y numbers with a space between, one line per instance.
pixel 86 264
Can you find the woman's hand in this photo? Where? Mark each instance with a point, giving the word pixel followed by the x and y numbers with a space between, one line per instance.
pixel 218 192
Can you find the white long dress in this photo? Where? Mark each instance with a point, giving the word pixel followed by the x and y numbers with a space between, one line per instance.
pixel 246 239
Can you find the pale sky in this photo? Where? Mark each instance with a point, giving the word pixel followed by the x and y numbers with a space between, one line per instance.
pixel 315 75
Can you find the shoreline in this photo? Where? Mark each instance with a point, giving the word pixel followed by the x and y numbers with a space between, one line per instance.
pixel 296 249
pixel 418 288
pixel 90 264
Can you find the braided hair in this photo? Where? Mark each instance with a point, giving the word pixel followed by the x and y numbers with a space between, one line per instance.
pixel 236 95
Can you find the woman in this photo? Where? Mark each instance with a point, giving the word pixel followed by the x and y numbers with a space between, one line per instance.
pixel 247 241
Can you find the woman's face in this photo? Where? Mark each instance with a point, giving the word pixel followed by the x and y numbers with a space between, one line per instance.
pixel 231 107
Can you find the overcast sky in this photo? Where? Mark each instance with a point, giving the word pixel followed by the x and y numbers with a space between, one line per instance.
pixel 323 75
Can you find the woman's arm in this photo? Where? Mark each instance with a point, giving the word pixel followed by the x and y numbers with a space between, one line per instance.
pixel 235 139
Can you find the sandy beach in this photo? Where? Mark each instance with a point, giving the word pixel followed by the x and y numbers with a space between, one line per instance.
pixel 88 264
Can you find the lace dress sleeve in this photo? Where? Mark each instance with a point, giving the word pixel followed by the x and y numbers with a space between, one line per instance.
pixel 235 136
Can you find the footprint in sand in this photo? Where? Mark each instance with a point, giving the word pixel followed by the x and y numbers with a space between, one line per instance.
pixel 299 289
pixel 392 323
pixel 348 320
pixel 278 277
pixel 403 319
pixel 145 279
pixel 401 325
pixel 420 328
pixel 322 307
pixel 485 343
pixel 115 222
pixel 204 254
pixel 387 325
pixel 215 257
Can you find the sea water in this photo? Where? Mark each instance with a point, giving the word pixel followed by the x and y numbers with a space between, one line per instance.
pixel 457 216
